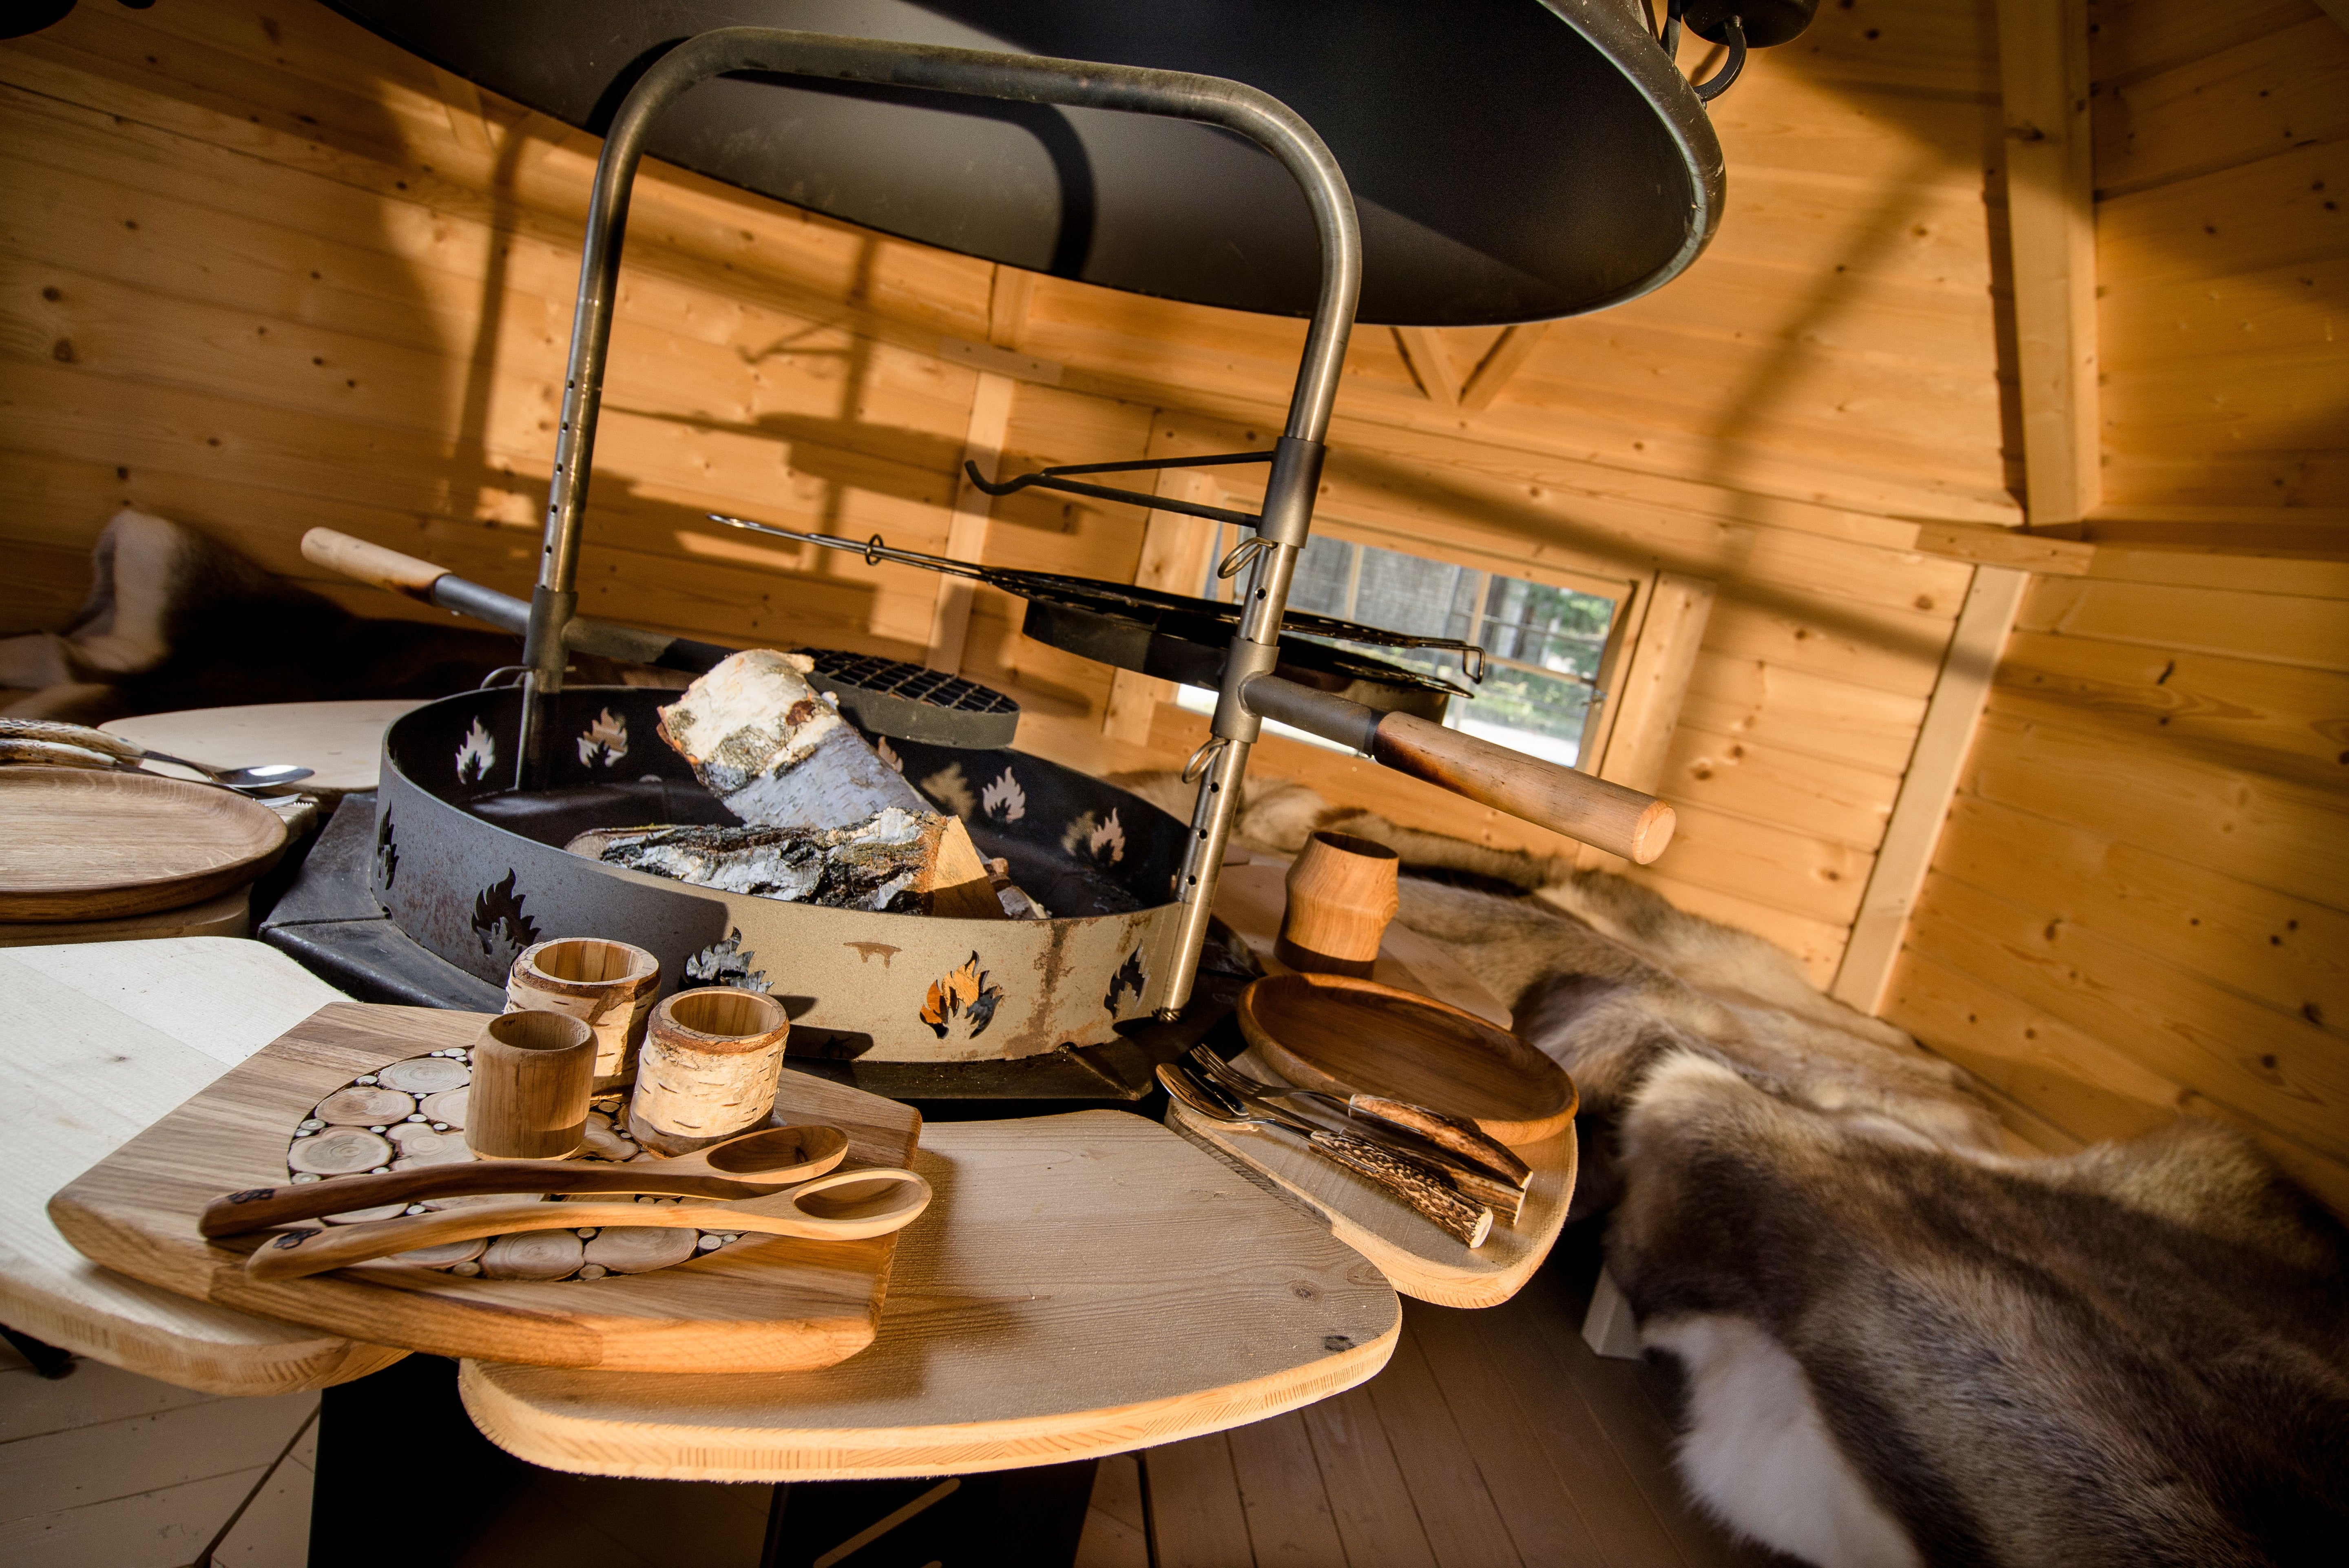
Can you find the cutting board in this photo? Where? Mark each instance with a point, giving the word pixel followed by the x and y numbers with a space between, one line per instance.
pixel 775 1306
pixel 79 843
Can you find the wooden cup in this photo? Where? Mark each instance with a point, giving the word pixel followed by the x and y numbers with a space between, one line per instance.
pixel 1341 894
pixel 710 1061
pixel 533 1075
pixel 608 986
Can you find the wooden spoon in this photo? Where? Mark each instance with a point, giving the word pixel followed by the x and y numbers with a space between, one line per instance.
pixel 747 1167
pixel 844 1206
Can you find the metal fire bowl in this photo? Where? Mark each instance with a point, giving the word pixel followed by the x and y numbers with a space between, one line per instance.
pixel 476 871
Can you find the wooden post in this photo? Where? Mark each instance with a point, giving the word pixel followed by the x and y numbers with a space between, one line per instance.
pixel 1508 353
pixel 990 415
pixel 1647 696
pixel 1923 803
pixel 2043 49
pixel 1430 362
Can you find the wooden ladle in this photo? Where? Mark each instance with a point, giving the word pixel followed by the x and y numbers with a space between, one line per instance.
pixel 844 1206
pixel 750 1166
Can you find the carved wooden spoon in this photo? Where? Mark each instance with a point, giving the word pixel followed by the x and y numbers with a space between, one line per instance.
pixel 844 1206
pixel 746 1167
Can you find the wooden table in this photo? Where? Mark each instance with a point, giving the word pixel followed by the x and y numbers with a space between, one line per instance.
pixel 342 741
pixel 98 1041
pixel 1081 1286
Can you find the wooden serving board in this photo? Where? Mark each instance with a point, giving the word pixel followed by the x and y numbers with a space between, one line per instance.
pixel 777 1306
pixel 1417 1258
pixel 341 742
pixel 79 843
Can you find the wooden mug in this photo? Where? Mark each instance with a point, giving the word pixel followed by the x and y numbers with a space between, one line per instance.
pixel 709 1067
pixel 534 1073
pixel 608 986
pixel 1341 894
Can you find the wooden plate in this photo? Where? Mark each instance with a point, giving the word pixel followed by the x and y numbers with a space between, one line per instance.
pixel 80 844
pixel 1344 1036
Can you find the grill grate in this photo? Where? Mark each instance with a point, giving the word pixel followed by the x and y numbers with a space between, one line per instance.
pixel 890 697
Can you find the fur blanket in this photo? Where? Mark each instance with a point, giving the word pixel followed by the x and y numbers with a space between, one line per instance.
pixel 176 619
pixel 1903 1345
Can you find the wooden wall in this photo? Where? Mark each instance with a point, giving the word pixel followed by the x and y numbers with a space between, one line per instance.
pixel 2140 899
pixel 264 272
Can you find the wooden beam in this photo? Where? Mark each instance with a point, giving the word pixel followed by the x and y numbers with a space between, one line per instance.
pixel 2051 223
pixel 1942 742
pixel 982 444
pixel 1006 306
pixel 1431 363
pixel 1508 353
pixel 1987 546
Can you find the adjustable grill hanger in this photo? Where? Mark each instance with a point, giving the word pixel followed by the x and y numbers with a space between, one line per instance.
pixel 1620 819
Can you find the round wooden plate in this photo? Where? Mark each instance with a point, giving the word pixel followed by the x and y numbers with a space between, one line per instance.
pixel 1344 1036
pixel 76 843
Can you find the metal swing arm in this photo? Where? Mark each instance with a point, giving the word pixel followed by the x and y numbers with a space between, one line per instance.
pixel 1057 480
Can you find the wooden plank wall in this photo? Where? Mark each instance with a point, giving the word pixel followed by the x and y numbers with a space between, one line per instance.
pixel 2141 900
pixel 263 271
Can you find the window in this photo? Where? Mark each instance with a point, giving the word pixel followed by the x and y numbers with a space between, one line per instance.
pixel 1544 644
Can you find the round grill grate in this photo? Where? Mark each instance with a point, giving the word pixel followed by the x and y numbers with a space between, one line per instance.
pixel 890 697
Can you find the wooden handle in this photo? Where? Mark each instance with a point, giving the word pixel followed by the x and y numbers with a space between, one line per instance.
pixel 297 1254
pixel 259 1208
pixel 58 733
pixel 371 562
pixel 1423 1188
pixel 1464 1139
pixel 1605 816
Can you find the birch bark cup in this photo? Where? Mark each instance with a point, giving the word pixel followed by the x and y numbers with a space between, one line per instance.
pixel 709 1068
pixel 1341 897
pixel 533 1075
pixel 607 985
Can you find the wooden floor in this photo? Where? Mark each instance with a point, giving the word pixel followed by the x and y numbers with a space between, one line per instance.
pixel 1493 1438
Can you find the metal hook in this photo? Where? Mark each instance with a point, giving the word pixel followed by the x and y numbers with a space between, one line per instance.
pixel 1718 83
pixel 872 548
pixel 1203 758
pixel 1242 553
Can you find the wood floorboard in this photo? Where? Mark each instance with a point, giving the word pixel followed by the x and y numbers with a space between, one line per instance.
pixel 141 1454
pixel 32 1406
pixel 1117 1530
pixel 1376 1520
pixel 1281 1491
pixel 167 1528
pixel 1537 1501
pixel 1462 1524
pixel 1196 1520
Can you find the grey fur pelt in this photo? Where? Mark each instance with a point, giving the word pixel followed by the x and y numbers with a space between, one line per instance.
pixel 1900 1353
pixel 1903 1344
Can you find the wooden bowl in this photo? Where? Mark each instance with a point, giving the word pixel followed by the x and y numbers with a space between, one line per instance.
pixel 1345 1036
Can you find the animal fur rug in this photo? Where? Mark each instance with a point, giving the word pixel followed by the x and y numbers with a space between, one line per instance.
pixel 1903 1344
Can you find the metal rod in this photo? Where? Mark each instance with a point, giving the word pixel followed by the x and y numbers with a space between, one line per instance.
pixel 1235 106
pixel 1052 481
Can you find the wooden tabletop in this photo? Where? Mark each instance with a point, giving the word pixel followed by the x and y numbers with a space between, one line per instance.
pixel 342 741
pixel 1082 1285
pixel 96 1042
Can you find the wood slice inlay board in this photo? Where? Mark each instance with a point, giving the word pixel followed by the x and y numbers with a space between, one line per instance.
pixel 78 843
pixel 770 1305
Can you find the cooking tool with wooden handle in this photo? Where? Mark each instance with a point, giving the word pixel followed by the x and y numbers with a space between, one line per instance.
pixel 1462 1140
pixel 1423 1188
pixel 750 1166
pixel 844 1206
pixel 1605 816
pixel 1505 1199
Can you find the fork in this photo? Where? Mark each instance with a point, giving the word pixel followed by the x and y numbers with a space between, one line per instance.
pixel 1505 1198
pixel 1425 1189
pixel 1461 1139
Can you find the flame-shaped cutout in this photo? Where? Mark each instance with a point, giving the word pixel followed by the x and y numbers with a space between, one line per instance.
pixel 726 962
pixel 1004 799
pixel 499 923
pixel 1104 841
pixel 951 790
pixel 608 735
pixel 1130 978
pixel 479 754
pixel 963 992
